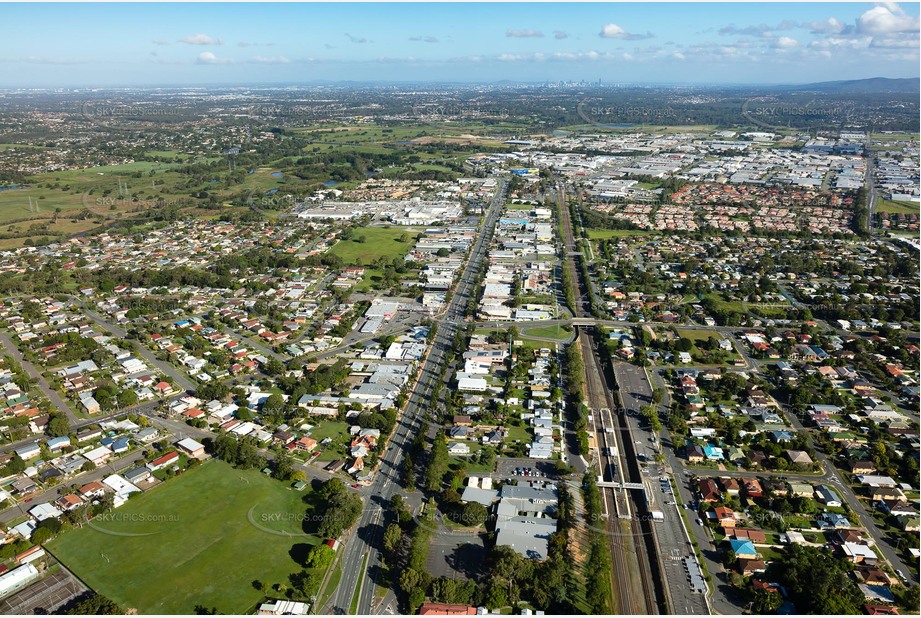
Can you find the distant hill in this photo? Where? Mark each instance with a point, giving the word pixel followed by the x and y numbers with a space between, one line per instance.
pixel 910 85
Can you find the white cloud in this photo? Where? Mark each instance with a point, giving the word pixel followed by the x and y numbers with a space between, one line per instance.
pixel 829 26
pixel 572 56
pixel 424 39
pixel 842 42
pixel 210 58
pixel 678 55
pixel 886 20
pixel 895 42
pixel 524 34
pixel 785 42
pixel 560 35
pixel 160 42
pixel 356 39
pixel 613 31
pixel 759 30
pixel 200 39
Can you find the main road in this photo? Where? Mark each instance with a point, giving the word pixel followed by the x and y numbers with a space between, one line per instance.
pixel 360 558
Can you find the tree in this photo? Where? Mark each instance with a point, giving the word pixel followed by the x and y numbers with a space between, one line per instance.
pixel 320 557
pixel 816 580
pixel 474 514
pixel 438 463
pixel 907 597
pixel 40 536
pixel 416 599
pixel 58 426
pixel 765 602
pixel 495 595
pixel 127 398
pixel 340 507
pixel 94 603
pixel 306 584
pixel 409 580
pixel 273 403
pixel 392 537
pixel 16 465
pixel 284 467
pixel 274 367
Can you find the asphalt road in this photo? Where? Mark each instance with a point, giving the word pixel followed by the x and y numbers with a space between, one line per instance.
pixel 56 400
pixel 366 540
pixel 179 377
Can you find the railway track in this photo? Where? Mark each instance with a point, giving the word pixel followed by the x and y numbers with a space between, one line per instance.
pixel 632 574
pixel 631 568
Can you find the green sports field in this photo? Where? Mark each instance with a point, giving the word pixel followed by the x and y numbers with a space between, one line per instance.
pixel 379 242
pixel 596 234
pixel 208 534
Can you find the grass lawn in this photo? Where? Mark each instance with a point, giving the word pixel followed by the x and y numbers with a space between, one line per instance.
pixel 329 429
pixel 894 137
pixel 207 535
pixel 518 433
pixel 536 344
pixel 736 306
pixel 550 332
pixel 907 208
pixel 338 448
pixel 331 586
pixel 379 242
pixel 471 462
pixel 699 335
pixel 595 234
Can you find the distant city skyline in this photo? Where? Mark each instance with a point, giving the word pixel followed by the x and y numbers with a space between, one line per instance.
pixel 100 45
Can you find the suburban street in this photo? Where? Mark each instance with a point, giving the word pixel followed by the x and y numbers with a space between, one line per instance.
pixel 56 400
pixel 179 377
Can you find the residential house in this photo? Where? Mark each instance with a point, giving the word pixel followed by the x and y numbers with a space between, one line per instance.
pixel 164 461
pixel 743 548
pixel 708 490
pixel 827 496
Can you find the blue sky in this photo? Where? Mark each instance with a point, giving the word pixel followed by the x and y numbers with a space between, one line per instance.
pixel 46 45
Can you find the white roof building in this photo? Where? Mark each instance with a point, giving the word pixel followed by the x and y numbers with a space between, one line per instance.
pixel 17 578
pixel 44 511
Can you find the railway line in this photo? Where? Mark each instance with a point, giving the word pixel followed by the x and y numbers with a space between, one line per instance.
pixel 631 584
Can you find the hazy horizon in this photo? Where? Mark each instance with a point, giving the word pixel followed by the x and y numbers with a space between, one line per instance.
pixel 225 44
